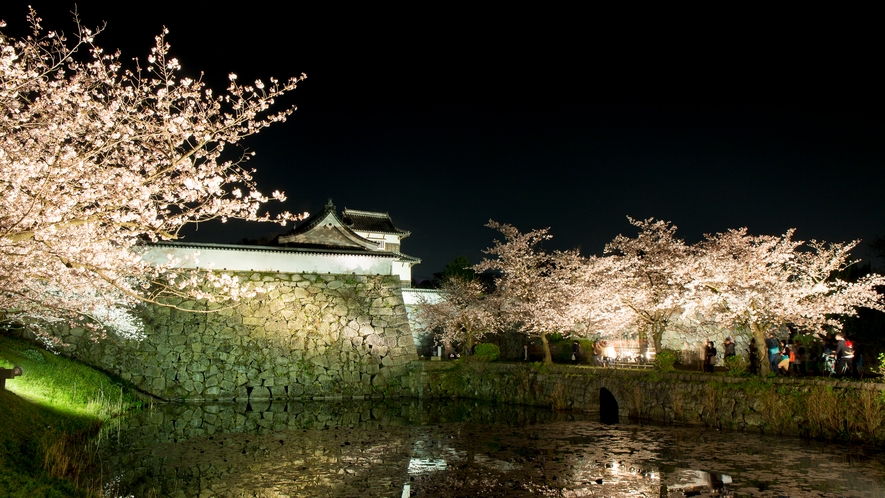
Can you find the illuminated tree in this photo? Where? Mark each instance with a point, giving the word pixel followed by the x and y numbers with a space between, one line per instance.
pixel 537 291
pixel 758 283
pixel 96 159
pixel 465 312
pixel 598 308
pixel 655 267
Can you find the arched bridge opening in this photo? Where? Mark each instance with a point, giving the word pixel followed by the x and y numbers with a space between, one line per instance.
pixel 609 411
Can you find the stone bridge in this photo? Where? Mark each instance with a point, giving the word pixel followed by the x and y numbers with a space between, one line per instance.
pixel 805 406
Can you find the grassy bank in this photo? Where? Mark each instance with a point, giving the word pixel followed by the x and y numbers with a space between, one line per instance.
pixel 51 416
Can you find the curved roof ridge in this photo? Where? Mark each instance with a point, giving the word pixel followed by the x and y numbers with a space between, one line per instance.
pixel 366 213
pixel 372 221
pixel 329 213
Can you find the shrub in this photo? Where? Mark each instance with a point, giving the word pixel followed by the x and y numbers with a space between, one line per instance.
pixel 664 361
pixel 562 352
pixel 491 352
pixel 736 365
pixel 586 350
pixel 880 366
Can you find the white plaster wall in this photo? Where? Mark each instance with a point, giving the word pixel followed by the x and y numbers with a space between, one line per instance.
pixel 386 237
pixel 414 296
pixel 404 270
pixel 238 258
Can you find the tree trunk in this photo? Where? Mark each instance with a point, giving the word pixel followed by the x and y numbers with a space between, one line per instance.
pixel 657 335
pixel 548 358
pixel 761 348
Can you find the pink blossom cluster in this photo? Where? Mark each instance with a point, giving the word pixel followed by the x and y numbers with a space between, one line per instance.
pixel 653 283
pixel 96 160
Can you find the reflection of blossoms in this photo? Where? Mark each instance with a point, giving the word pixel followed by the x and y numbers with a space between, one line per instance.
pixel 95 160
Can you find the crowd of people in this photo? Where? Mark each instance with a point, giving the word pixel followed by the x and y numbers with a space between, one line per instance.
pixel 833 356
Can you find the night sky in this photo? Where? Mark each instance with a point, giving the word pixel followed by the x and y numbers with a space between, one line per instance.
pixel 545 118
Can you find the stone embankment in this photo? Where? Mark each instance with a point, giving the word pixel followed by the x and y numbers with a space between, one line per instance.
pixel 302 336
pixel 811 407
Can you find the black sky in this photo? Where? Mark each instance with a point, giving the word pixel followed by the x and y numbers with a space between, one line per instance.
pixel 538 118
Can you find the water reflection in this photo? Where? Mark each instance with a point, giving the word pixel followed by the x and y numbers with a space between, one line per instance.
pixel 461 448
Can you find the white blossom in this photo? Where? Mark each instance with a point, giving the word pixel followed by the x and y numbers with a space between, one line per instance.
pixel 96 159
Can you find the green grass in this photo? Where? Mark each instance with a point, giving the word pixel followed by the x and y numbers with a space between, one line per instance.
pixel 50 417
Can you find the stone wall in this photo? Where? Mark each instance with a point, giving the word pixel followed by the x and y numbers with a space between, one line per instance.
pixel 821 408
pixel 303 336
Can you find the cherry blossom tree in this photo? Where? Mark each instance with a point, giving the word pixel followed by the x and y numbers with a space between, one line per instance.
pixel 465 312
pixel 597 306
pixel 655 267
pixel 96 160
pixel 537 290
pixel 759 283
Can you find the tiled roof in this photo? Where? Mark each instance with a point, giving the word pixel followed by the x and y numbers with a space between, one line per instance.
pixel 314 220
pixel 325 231
pixel 368 221
pixel 407 259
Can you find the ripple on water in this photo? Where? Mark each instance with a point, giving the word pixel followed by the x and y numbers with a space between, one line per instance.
pixel 462 448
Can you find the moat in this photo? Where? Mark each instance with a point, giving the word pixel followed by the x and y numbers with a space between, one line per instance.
pixel 449 448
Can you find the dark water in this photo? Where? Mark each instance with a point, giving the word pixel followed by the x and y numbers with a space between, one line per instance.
pixel 450 448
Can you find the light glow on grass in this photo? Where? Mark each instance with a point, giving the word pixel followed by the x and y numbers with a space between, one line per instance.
pixel 63 385
pixel 54 416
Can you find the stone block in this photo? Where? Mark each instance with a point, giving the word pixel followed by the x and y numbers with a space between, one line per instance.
pixel 260 393
pixel 381 311
pixel 393 301
pixel 198 366
pixel 158 385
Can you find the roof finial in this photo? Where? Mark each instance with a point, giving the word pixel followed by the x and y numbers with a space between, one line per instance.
pixel 329 204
